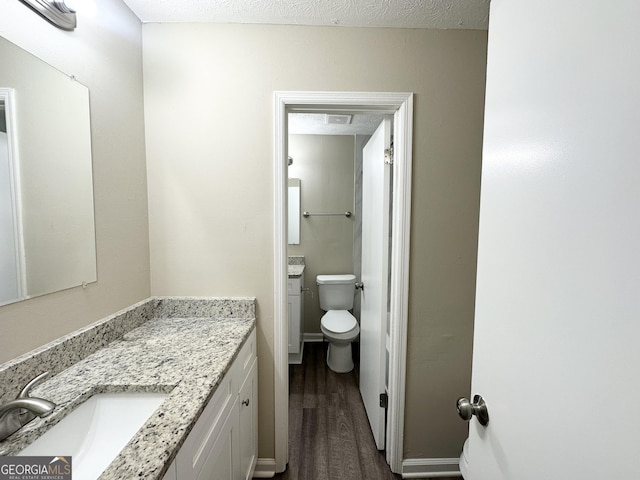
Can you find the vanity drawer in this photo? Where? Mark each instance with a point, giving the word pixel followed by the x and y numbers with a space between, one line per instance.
pixel 294 286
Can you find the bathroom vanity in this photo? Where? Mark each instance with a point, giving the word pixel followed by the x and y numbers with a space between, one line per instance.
pixel 200 352
pixel 223 443
pixel 295 300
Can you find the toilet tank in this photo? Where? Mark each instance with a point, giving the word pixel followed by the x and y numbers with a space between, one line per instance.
pixel 336 292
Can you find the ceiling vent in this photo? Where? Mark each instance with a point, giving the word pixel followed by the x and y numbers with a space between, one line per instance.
pixel 332 119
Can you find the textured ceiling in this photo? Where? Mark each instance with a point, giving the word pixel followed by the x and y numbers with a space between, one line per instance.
pixel 316 124
pixel 467 14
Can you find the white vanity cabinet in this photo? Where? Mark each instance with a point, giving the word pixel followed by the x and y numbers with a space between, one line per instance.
pixel 296 314
pixel 223 444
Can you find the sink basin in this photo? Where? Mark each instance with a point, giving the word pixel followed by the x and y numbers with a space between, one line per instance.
pixel 96 431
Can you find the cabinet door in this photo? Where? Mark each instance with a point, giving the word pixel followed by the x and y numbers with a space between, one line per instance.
pixel 221 462
pixel 248 424
pixel 294 324
pixel 301 312
pixel 208 429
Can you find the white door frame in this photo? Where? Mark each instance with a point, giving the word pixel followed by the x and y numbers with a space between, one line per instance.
pixel 401 105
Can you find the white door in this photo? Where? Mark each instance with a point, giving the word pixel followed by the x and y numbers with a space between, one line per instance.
pixel 557 322
pixel 374 276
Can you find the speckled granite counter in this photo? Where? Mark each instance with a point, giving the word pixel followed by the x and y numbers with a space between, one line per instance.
pixel 295 270
pixel 184 349
pixel 295 265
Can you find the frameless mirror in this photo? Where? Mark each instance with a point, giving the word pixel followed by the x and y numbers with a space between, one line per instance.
pixel 294 211
pixel 47 230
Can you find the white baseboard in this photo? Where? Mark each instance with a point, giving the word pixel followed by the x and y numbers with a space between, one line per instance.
pixel 411 468
pixel 265 468
pixel 313 337
pixel 430 467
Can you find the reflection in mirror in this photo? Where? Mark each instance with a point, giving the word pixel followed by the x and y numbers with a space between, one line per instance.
pixel 47 238
pixel 11 266
pixel 294 211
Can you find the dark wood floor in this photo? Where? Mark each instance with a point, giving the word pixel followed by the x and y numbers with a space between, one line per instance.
pixel 329 434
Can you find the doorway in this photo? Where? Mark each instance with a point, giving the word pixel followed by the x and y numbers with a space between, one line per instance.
pixel 400 105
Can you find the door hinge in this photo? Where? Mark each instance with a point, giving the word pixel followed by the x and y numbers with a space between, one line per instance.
pixel 388 156
pixel 384 400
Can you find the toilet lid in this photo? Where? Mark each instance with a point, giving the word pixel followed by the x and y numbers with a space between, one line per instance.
pixel 347 279
pixel 339 321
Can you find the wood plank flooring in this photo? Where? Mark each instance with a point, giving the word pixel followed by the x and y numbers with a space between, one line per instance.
pixel 329 433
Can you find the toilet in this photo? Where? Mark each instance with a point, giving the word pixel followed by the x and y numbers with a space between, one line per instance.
pixel 338 325
pixel 464 459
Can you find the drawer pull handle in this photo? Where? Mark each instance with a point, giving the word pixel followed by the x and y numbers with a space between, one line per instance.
pixel 245 402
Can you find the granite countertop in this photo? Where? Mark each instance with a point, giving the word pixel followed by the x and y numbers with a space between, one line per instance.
pixel 184 357
pixel 295 270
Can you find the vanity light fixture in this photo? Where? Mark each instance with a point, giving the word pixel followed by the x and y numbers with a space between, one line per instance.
pixel 54 11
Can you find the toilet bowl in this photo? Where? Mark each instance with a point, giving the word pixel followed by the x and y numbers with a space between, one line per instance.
pixel 338 325
pixel 464 460
pixel 340 328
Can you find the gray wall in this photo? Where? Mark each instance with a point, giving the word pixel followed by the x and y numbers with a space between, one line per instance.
pixel 325 166
pixel 211 190
pixel 105 54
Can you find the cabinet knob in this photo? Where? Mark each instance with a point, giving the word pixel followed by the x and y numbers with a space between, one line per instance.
pixel 245 402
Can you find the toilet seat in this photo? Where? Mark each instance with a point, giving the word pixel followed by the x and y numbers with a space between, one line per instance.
pixel 339 321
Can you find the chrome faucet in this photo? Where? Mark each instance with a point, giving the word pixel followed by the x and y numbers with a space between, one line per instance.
pixel 17 413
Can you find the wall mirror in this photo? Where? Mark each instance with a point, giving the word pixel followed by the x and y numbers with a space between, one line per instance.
pixel 47 234
pixel 293 207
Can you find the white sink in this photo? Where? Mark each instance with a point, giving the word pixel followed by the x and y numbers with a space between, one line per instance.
pixel 96 431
